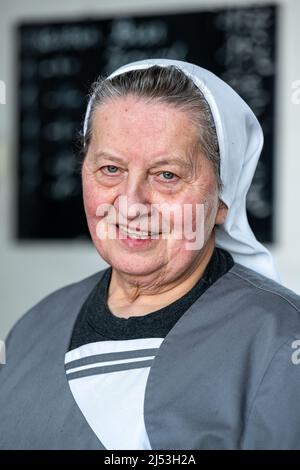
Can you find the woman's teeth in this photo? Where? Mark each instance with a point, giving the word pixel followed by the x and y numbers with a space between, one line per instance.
pixel 135 234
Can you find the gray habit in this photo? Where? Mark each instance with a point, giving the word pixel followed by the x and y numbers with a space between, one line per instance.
pixel 226 376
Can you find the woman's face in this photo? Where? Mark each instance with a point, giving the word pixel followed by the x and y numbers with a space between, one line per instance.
pixel 146 153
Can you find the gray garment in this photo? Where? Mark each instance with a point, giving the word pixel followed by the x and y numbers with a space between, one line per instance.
pixel 223 377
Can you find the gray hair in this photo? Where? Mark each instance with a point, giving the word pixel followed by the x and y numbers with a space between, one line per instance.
pixel 166 85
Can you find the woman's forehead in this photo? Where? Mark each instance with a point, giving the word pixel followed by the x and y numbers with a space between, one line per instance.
pixel 144 123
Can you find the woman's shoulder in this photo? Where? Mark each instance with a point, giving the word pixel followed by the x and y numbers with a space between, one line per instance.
pixel 262 287
pixel 52 308
pixel 262 302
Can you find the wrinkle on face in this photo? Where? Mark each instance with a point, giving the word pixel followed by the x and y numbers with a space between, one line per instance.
pixel 140 133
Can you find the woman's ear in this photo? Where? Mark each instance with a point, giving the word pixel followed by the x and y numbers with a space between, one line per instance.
pixel 222 212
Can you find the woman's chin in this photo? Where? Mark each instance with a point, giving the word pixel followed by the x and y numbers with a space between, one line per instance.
pixel 133 265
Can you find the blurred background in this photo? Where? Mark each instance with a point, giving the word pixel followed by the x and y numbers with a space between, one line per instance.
pixel 51 52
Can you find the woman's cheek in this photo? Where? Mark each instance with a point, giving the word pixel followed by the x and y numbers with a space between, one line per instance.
pixel 90 201
pixel 92 194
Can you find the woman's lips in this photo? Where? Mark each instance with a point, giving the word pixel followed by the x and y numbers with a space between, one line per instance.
pixel 136 231
pixel 132 241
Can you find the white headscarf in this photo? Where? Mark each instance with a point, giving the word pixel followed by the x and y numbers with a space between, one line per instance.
pixel 240 139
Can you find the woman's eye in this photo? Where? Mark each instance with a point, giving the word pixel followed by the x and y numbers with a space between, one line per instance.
pixel 110 169
pixel 168 176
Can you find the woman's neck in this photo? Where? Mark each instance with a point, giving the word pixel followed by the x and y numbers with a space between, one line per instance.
pixel 128 297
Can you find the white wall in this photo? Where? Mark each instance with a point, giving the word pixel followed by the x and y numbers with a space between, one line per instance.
pixel 29 271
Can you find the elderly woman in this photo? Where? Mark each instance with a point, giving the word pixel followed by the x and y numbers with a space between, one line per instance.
pixel 187 340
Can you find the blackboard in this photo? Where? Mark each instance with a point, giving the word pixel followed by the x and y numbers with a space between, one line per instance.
pixel 58 61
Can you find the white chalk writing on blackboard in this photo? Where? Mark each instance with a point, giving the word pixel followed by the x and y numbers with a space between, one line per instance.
pixel 129 41
pixel 47 39
pixel 247 57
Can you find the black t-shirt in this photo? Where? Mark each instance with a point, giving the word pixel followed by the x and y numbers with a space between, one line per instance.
pixel 96 322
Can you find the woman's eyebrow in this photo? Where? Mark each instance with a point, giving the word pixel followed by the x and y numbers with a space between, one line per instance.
pixel 165 161
pixel 100 155
pixel 173 160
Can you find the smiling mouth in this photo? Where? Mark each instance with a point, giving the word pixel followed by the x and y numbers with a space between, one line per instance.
pixel 137 233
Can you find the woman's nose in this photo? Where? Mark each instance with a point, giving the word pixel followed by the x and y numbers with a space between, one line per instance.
pixel 133 199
